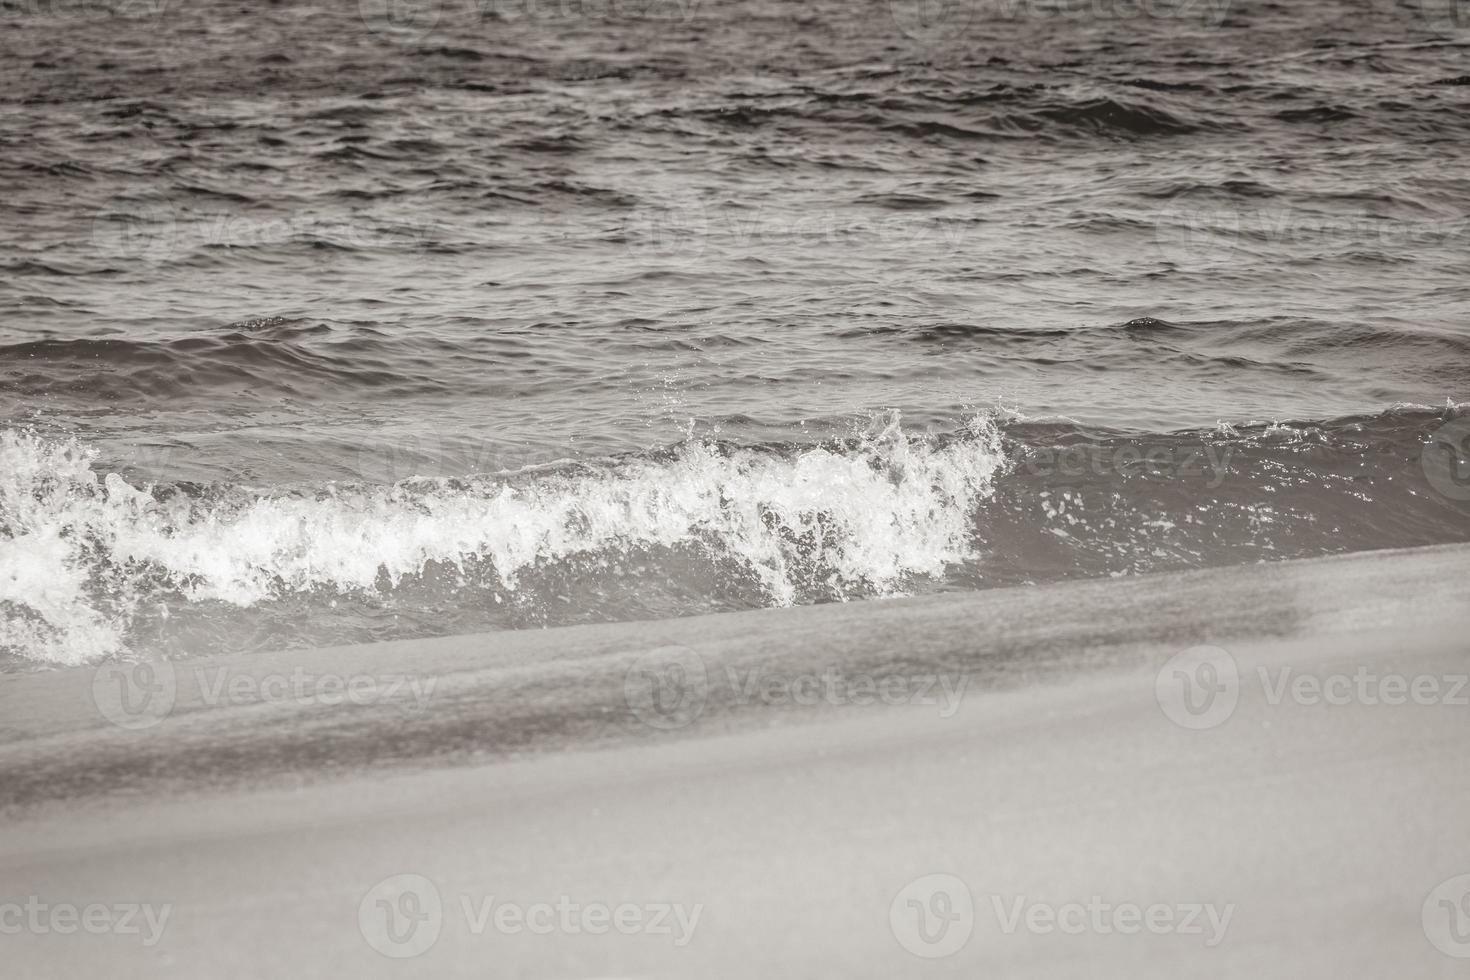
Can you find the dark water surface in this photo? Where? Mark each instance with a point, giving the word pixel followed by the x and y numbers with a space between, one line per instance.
pixel 327 323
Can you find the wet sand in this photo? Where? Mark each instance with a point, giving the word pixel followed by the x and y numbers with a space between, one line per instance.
pixel 743 775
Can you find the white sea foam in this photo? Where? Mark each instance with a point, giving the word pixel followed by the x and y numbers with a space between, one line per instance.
pixel 80 550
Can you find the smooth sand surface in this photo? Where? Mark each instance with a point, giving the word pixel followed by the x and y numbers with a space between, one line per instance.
pixel 550 767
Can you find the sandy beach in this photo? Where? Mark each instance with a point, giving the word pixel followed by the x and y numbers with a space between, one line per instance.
pixel 1253 770
pixel 565 489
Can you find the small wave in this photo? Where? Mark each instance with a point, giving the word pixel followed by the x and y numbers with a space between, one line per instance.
pixel 1223 189
pixel 1120 118
pixel 85 552
pixel 270 353
pixel 899 201
pixel 1316 114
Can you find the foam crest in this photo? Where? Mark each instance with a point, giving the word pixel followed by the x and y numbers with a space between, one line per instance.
pixel 81 552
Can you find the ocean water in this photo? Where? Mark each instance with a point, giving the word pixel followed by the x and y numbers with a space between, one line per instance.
pixel 333 322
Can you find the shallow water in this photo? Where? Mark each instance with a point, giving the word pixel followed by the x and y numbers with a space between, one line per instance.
pixel 319 325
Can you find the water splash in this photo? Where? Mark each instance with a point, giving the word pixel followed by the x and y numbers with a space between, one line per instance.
pixel 82 552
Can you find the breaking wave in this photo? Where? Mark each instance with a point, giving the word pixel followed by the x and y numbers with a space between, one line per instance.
pixel 89 558
pixel 93 565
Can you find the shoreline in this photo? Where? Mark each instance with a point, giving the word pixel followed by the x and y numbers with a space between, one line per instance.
pixel 1069 774
pixel 80 733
